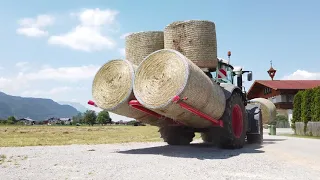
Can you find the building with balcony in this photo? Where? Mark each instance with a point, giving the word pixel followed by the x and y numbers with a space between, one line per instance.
pixel 280 92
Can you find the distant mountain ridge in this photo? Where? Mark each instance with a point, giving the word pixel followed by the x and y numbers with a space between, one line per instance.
pixel 34 108
pixel 81 108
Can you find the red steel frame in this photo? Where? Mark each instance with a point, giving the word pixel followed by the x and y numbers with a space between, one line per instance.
pixel 195 111
pixel 137 105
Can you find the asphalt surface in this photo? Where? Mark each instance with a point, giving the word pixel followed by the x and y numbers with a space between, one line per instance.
pixel 278 158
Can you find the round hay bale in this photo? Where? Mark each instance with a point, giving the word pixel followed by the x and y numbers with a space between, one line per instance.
pixel 268 109
pixel 140 44
pixel 167 73
pixel 196 39
pixel 112 90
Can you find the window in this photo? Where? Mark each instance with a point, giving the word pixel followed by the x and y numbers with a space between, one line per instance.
pixel 290 98
pixel 267 90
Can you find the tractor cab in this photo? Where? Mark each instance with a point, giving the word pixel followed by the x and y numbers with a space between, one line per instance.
pixel 226 73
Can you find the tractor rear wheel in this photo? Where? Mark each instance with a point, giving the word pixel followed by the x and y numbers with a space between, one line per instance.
pixel 177 135
pixel 234 119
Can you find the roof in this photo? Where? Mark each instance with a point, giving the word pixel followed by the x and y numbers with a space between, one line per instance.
pixel 289 84
pixel 26 119
pixel 284 84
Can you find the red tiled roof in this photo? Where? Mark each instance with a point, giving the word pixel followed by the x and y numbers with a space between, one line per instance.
pixel 282 85
pixel 289 84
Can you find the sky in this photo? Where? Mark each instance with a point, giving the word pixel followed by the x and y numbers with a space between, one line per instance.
pixel 52 49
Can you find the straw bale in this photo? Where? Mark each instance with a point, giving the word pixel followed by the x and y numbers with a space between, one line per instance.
pixel 268 109
pixel 140 44
pixel 196 39
pixel 112 90
pixel 167 73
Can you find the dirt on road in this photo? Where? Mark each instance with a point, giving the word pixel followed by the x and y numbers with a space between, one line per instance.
pixel 278 158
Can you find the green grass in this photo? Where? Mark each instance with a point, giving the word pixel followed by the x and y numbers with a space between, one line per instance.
pixel 65 135
pixel 299 136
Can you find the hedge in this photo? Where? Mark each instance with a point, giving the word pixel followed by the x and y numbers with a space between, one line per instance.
pixel 306 112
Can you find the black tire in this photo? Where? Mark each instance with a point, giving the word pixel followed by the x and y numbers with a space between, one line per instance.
pixel 256 138
pixel 177 135
pixel 211 136
pixel 230 139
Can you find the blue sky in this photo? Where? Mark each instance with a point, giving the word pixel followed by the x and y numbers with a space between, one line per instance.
pixel 54 54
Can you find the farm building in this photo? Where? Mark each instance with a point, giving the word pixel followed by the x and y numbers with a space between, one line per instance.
pixel 280 92
pixel 27 121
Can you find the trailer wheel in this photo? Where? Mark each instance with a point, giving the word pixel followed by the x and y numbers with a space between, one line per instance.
pixel 233 133
pixel 256 138
pixel 176 135
pixel 210 136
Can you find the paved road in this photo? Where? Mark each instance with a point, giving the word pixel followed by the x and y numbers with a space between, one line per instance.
pixel 277 159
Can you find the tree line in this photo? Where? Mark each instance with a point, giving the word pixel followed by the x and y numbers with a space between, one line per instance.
pixel 306 106
pixel 90 117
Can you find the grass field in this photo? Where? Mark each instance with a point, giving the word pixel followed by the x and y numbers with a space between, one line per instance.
pixel 65 135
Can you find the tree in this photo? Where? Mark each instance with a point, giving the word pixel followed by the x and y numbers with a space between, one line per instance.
pixel 316 105
pixel 90 117
pixel 78 118
pixel 297 107
pixel 306 105
pixel 104 117
pixel 11 120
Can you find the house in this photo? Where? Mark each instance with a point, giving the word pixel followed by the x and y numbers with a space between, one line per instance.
pixel 65 120
pixel 280 92
pixel 27 121
pixel 55 120
pixel 52 120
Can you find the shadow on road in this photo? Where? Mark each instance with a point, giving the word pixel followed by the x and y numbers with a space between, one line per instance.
pixel 201 150
pixel 196 150
pixel 272 141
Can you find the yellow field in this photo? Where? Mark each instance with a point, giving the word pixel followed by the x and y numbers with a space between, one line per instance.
pixel 64 135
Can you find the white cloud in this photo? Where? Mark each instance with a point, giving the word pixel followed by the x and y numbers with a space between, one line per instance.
pixel 87 36
pixel 62 73
pixel 12 84
pixel 34 27
pixel 23 66
pixel 302 75
pixel 123 36
pixel 1 67
pixel 53 91
pixel 23 81
pixel 37 93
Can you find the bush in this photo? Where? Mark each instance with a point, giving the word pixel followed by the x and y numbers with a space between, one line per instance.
pixel 306 105
pixel 296 109
pixel 316 105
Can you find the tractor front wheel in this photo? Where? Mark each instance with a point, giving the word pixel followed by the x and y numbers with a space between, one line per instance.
pixel 233 133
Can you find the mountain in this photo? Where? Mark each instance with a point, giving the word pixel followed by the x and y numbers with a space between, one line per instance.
pixel 34 108
pixel 81 108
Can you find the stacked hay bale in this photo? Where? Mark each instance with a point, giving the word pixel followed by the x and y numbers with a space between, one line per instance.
pixel 268 109
pixel 167 73
pixel 112 87
pixel 140 44
pixel 195 39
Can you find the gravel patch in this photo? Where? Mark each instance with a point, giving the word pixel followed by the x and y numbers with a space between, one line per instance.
pixel 278 158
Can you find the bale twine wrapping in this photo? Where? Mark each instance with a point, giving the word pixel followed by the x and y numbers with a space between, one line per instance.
pixel 268 109
pixel 141 44
pixel 112 90
pixel 167 73
pixel 196 39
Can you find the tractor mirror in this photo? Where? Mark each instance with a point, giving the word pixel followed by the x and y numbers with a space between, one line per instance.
pixel 249 76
